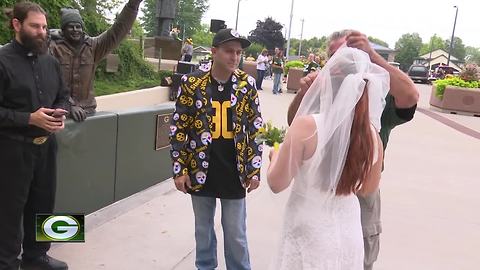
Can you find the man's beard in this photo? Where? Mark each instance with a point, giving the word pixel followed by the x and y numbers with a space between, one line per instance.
pixel 36 44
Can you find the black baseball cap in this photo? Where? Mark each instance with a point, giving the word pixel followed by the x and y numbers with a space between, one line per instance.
pixel 228 34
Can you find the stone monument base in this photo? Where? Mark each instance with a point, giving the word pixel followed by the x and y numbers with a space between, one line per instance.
pixel 171 48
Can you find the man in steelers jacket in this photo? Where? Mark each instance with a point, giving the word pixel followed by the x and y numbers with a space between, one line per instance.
pixel 213 148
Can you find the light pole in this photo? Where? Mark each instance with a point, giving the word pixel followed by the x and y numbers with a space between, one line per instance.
pixel 430 57
pixel 453 35
pixel 238 8
pixel 289 30
pixel 301 38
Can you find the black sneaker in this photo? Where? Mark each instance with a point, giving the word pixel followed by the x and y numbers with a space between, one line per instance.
pixel 44 262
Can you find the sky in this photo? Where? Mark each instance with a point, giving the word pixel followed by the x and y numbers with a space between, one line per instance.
pixel 387 20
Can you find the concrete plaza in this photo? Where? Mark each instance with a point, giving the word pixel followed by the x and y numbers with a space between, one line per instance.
pixel 430 206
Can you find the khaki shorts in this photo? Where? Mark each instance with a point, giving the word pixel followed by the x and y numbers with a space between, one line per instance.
pixel 370 213
pixel 371 227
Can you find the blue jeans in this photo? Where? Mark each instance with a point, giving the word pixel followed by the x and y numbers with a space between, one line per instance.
pixel 234 233
pixel 277 79
pixel 260 76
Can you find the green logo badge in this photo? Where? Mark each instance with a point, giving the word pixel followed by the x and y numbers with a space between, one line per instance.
pixel 60 228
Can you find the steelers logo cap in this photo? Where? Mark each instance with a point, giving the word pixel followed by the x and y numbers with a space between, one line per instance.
pixel 228 34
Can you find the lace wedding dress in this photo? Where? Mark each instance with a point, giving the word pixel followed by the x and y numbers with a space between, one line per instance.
pixel 321 230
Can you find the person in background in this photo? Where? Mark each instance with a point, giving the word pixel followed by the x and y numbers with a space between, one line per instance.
pixel 311 65
pixel 187 50
pixel 262 61
pixel 277 69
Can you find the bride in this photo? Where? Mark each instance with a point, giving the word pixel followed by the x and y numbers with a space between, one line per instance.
pixel 333 151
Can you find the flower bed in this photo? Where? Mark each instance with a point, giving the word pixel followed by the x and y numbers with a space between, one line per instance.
pixel 440 85
pixel 458 94
pixel 456 99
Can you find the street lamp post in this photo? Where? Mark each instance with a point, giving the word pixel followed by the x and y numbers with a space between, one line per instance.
pixel 301 38
pixel 453 35
pixel 238 8
pixel 430 57
pixel 289 30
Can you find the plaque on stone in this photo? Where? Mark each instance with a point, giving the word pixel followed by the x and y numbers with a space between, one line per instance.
pixel 162 133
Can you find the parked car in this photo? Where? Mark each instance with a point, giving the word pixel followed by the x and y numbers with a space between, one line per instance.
pixel 419 73
pixel 395 64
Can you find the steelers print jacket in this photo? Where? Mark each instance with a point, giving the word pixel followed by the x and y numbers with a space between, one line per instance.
pixel 192 125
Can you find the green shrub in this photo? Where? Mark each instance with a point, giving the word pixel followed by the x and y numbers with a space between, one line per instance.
pixel 440 85
pixel 133 72
pixel 294 64
pixel 254 50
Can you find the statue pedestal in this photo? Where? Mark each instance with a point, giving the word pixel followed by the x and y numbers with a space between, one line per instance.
pixel 171 48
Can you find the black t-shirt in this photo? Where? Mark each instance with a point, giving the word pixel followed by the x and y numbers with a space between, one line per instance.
pixel 222 176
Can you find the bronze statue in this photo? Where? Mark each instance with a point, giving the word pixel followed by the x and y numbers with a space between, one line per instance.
pixel 165 14
pixel 80 54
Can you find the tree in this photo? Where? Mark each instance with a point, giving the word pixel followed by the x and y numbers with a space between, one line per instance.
pixel 268 33
pixel 253 50
pixel 188 15
pixel 203 36
pixel 408 47
pixel 52 7
pixel 458 49
pixel 93 17
pixel 435 43
pixel 93 14
pixel 472 55
pixel 314 45
pixel 6 33
pixel 137 30
pixel 378 41
pixel 148 19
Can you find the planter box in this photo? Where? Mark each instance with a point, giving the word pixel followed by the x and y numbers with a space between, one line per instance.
pixel 293 81
pixel 457 99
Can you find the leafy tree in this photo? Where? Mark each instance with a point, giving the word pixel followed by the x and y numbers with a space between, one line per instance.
pixel 408 47
pixel 203 36
pixel 458 49
pixel 435 42
pixel 52 7
pixel 268 33
pixel 378 41
pixel 137 30
pixel 188 15
pixel 472 55
pixel 5 32
pixel 314 45
pixel 253 50
pixel 95 21
pixel 148 19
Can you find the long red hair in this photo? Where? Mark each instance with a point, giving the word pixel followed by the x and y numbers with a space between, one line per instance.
pixel 360 152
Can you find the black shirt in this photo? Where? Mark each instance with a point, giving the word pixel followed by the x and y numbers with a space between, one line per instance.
pixel 222 177
pixel 27 83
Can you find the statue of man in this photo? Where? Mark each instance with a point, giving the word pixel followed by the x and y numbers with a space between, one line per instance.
pixel 80 54
pixel 165 14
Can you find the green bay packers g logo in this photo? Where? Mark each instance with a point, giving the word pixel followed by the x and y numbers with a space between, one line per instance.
pixel 60 228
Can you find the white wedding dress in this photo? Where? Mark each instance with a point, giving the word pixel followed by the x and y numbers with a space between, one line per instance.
pixel 321 230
